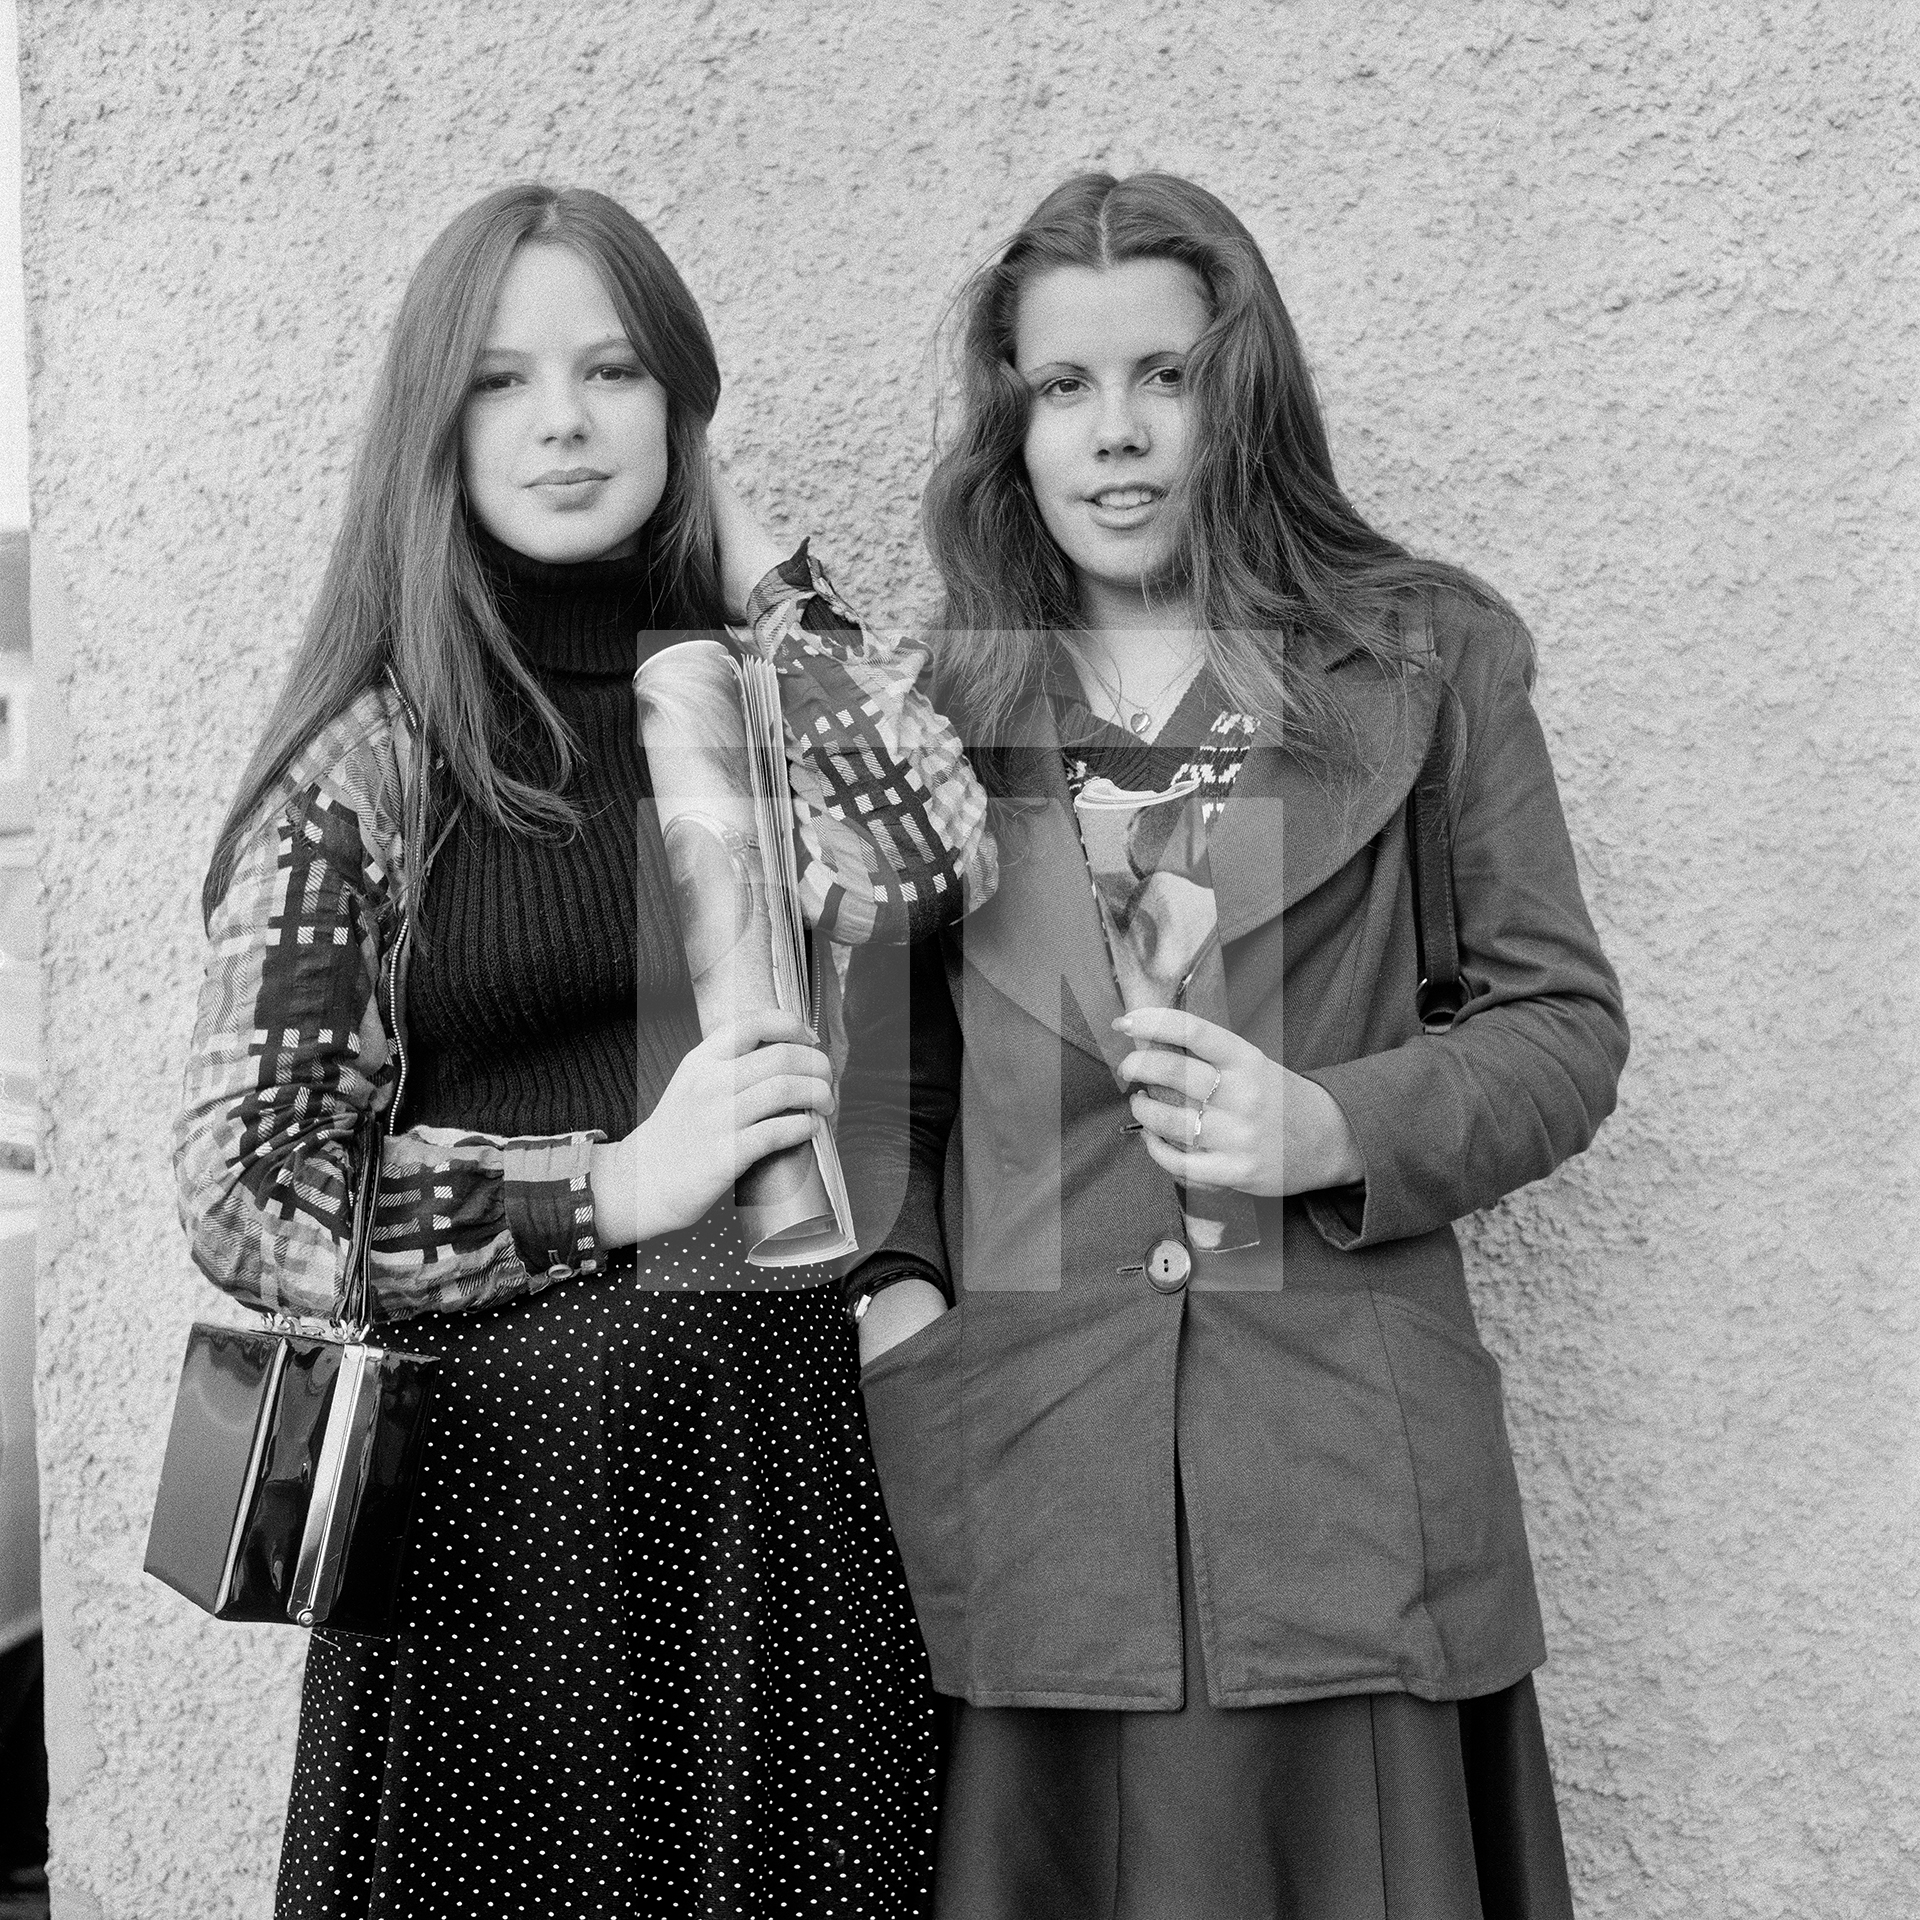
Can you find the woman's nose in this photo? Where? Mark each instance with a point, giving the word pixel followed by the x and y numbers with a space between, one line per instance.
pixel 563 414
pixel 1118 427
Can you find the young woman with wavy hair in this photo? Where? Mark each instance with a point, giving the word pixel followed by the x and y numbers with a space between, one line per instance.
pixel 655 1654
pixel 1215 1538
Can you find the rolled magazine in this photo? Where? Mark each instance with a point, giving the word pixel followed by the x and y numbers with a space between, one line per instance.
pixel 1153 883
pixel 710 722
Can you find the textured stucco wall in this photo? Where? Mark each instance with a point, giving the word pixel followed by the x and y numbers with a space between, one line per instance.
pixel 1606 300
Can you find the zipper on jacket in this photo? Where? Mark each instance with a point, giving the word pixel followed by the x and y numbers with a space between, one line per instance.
pixel 419 767
pixel 396 1027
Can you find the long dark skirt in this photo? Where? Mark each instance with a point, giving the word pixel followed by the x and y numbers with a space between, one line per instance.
pixel 1364 1807
pixel 658 1657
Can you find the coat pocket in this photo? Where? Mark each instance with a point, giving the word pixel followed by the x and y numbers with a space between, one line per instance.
pixel 912 1395
pixel 1479 1578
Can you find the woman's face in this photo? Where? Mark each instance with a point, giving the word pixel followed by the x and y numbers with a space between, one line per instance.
pixel 563 441
pixel 1104 353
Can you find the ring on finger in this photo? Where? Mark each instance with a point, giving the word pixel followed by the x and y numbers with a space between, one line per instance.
pixel 1206 1099
pixel 1199 1121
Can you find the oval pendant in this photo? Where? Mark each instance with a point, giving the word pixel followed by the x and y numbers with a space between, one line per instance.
pixel 1139 720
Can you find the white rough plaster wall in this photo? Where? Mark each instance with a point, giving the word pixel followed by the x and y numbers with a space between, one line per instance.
pixel 1606 300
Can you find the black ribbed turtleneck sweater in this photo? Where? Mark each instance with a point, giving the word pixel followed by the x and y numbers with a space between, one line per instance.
pixel 550 992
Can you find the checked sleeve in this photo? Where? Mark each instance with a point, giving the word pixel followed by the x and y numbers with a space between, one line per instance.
pixel 294 1059
pixel 890 822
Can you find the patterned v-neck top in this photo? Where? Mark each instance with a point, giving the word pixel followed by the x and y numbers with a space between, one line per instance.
pixel 1204 738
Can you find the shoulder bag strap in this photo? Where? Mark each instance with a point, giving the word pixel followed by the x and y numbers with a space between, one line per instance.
pixel 1441 992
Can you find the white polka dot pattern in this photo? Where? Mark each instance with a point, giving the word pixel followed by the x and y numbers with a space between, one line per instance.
pixel 657 1656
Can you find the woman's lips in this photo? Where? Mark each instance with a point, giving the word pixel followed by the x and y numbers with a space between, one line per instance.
pixel 569 486
pixel 1120 508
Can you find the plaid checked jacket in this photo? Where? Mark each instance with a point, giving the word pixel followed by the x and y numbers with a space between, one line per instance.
pixel 299 1043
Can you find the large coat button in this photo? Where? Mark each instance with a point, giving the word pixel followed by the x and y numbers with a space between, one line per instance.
pixel 1168 1265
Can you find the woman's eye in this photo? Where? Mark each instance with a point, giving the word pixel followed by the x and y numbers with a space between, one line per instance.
pixel 1169 379
pixel 617 371
pixel 492 382
pixel 1061 386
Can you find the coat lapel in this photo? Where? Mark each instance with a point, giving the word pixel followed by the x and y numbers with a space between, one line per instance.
pixel 1288 828
pixel 1285 831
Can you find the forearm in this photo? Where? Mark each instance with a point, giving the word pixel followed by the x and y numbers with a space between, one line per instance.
pixel 1320 1148
pixel 288 1078
pixel 628 1206
pixel 1449 1123
pixel 898 1100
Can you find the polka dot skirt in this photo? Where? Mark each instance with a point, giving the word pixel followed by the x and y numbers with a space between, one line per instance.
pixel 657 1657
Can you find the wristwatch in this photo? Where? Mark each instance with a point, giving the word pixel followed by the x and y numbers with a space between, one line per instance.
pixel 857 1306
pixel 864 1286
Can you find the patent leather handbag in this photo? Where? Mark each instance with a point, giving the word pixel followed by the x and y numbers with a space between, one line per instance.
pixel 293 1464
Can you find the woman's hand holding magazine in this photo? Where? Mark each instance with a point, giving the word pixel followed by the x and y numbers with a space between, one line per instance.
pixel 809 800
pixel 749 1089
pixel 711 722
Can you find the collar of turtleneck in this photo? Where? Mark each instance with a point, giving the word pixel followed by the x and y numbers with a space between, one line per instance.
pixel 578 618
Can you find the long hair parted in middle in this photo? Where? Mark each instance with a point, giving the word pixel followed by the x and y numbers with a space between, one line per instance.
pixel 405 591
pixel 1276 565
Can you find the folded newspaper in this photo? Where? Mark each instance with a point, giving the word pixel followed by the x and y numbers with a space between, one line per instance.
pixel 1153 883
pixel 716 750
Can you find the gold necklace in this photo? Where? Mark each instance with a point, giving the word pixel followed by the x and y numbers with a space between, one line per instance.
pixel 1136 718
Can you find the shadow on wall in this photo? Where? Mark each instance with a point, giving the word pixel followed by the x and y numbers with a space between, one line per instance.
pixel 23 1761
pixel 16 687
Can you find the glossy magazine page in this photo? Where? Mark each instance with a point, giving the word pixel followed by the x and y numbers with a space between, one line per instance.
pixel 1153 884
pixel 710 721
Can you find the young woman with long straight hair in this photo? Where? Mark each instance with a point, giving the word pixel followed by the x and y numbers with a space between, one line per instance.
pixel 1216 1539
pixel 655 1653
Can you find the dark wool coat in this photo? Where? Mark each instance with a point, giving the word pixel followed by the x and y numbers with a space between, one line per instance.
pixel 1333 1417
